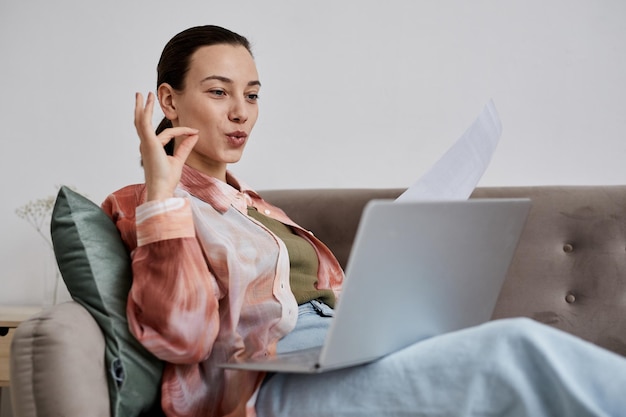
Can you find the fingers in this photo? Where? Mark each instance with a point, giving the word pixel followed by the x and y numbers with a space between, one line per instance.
pixel 143 121
pixel 162 172
pixel 143 115
pixel 172 132
pixel 148 110
pixel 138 108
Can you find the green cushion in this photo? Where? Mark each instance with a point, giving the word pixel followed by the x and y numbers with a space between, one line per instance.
pixel 96 268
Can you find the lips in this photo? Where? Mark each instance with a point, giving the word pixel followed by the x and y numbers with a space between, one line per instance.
pixel 237 138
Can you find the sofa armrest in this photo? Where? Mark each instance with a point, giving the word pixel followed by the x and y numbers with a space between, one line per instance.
pixel 59 354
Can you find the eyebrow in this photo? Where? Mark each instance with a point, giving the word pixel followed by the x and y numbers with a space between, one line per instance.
pixel 228 80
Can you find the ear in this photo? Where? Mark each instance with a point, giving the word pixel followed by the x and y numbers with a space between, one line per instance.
pixel 165 93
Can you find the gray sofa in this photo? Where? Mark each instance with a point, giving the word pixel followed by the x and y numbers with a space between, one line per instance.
pixel 569 271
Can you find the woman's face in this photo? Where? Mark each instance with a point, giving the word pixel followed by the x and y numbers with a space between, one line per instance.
pixel 220 100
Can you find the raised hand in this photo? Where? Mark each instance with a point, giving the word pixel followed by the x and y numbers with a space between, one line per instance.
pixel 162 172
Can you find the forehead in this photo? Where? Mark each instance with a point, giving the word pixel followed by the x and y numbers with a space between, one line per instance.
pixel 230 61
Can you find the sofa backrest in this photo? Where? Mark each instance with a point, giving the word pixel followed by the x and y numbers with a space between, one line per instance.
pixel 569 270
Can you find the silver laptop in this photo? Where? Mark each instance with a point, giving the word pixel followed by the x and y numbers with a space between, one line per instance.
pixel 416 270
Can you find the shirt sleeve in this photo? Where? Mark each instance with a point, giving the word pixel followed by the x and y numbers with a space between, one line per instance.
pixel 172 306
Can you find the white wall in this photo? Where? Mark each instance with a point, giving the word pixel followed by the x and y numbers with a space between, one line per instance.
pixel 355 94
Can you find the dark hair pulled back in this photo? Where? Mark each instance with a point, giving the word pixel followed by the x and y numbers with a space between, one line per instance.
pixel 176 58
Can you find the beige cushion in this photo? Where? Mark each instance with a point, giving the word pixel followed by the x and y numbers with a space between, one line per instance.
pixel 57 365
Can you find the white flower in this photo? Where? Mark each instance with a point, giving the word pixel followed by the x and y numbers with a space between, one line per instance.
pixel 39 213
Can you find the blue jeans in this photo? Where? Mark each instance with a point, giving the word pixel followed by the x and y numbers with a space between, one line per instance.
pixel 313 320
pixel 512 367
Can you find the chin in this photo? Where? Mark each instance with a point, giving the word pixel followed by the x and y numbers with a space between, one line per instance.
pixel 233 157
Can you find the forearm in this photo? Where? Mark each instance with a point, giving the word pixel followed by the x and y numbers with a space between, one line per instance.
pixel 173 303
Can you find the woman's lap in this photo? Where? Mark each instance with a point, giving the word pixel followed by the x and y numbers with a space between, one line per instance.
pixel 513 367
pixel 313 320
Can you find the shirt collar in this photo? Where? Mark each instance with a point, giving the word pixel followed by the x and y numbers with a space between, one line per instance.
pixel 221 195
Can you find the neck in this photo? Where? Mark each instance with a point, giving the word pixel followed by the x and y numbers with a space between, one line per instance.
pixel 217 171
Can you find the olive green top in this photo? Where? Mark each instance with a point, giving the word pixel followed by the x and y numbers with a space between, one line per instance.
pixel 303 261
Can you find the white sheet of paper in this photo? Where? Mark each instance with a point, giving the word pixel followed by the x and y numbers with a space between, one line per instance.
pixel 456 174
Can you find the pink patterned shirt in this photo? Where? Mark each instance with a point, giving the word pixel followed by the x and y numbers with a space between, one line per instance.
pixel 210 284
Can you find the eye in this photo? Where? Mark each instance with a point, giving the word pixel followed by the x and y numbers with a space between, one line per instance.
pixel 252 97
pixel 217 92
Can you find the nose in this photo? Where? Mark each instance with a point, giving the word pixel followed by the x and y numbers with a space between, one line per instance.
pixel 238 112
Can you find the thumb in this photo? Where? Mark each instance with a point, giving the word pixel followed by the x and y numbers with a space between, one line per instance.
pixel 185 147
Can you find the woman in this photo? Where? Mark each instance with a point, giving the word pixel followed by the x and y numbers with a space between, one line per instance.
pixel 221 275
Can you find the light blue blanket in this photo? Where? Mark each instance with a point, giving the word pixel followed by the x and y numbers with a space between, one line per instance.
pixel 513 367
